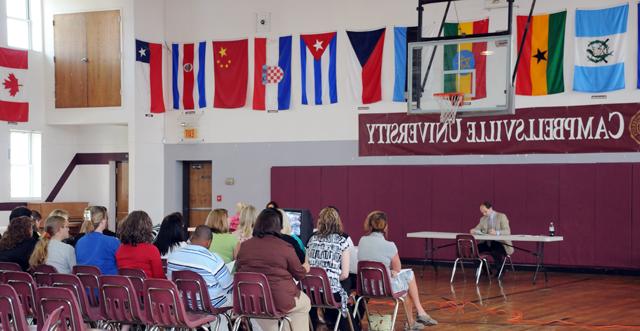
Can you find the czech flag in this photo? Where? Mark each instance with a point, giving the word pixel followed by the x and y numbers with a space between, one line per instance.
pixel 14 104
pixel 465 65
pixel 188 69
pixel 318 68
pixel 366 73
pixel 272 74
pixel 152 54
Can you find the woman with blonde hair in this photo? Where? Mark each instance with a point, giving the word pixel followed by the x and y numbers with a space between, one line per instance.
pixel 247 219
pixel 59 212
pixel 234 221
pixel 374 246
pixel 92 217
pixel 97 247
pixel 51 250
pixel 223 242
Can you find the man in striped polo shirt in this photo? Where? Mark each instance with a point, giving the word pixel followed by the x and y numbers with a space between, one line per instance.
pixel 197 257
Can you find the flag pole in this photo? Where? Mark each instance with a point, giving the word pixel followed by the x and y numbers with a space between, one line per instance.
pixel 524 37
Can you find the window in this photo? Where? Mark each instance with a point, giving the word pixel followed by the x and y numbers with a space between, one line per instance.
pixel 25 155
pixel 18 24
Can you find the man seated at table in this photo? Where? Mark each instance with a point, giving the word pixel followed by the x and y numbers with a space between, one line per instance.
pixel 493 223
pixel 197 257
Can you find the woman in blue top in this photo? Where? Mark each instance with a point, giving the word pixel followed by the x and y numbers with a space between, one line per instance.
pixel 95 248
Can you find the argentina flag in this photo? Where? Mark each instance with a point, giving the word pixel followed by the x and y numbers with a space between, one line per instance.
pixel 600 49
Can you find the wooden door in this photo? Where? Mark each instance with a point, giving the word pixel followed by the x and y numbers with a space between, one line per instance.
pixel 199 190
pixel 70 60
pixel 122 190
pixel 103 52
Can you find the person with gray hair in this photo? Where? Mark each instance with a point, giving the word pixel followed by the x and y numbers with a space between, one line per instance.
pixel 197 257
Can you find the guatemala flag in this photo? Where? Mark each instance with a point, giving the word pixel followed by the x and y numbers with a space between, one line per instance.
pixel 402 35
pixel 272 74
pixel 600 49
pixel 318 68
pixel 187 69
pixel 366 64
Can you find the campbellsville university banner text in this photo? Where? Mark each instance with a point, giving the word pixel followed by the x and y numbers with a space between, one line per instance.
pixel 577 129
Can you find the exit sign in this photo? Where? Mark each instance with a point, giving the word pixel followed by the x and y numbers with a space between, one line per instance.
pixel 190 133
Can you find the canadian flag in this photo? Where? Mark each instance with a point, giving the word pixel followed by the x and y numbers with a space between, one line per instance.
pixel 14 106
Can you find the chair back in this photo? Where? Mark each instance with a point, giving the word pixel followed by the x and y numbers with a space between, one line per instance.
pixel 317 287
pixel 137 277
pixel 52 298
pixel 373 280
pixel 86 269
pixel 10 266
pixel 53 320
pixel 120 300
pixel 132 272
pixel 252 296
pixel 193 289
pixel 73 283
pixel 42 274
pixel 164 265
pixel 88 276
pixel 11 315
pixel 25 287
pixel 467 247
pixel 163 302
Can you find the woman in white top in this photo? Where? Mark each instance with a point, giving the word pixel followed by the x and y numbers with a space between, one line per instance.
pixel 51 250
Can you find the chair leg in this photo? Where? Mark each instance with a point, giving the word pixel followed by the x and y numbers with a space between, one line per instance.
pixel 355 308
pixel 478 271
pixel 453 272
pixel 236 325
pixel 338 320
pixel 486 266
pixel 288 323
pixel 395 313
pixel 504 260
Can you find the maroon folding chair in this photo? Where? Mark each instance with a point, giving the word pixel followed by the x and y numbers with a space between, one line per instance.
pixel 120 301
pixel 137 277
pixel 73 283
pixel 195 295
pixel 165 308
pixel 10 266
pixel 374 283
pixel 11 315
pixel 252 298
pixel 52 298
pixel 317 287
pixel 25 287
pixel 88 276
pixel 42 274
pixel 467 250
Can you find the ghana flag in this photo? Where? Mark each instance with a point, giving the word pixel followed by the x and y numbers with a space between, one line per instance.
pixel 465 68
pixel 540 71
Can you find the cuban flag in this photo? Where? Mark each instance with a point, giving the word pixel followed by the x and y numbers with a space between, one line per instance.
pixel 600 49
pixel 14 102
pixel 366 64
pixel 272 74
pixel 187 70
pixel 318 68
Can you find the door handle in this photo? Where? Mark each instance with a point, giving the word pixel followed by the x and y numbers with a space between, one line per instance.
pixel 84 59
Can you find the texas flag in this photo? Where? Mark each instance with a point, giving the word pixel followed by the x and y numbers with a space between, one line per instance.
pixel 272 74
pixel 366 64
pixel 188 70
pixel 14 105
pixel 318 68
pixel 152 54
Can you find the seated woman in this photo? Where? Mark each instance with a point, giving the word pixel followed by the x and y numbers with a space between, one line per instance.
pixel 17 242
pixel 96 247
pixel 290 237
pixel 172 235
pixel 223 242
pixel 247 219
pixel 50 248
pixel 258 255
pixel 136 250
pixel 375 247
pixel 92 215
pixel 234 221
pixel 329 250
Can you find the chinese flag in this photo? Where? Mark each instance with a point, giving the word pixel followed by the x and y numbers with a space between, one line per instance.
pixel 231 73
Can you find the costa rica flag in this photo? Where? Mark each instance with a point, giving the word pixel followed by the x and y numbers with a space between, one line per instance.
pixel 366 64
pixel 14 104
pixel 272 74
pixel 188 69
pixel 318 68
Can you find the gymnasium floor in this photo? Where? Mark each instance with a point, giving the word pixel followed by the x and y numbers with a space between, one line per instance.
pixel 566 302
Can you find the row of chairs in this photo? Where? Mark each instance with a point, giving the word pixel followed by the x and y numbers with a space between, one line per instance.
pixel 129 298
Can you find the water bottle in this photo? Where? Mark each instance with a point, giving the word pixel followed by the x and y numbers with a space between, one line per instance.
pixel 552 230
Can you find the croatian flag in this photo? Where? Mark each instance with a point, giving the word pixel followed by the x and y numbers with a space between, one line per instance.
pixel 151 54
pixel 272 74
pixel 600 49
pixel 187 70
pixel 366 64
pixel 318 68
pixel 14 104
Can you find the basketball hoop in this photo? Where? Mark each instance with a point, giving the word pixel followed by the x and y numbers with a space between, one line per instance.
pixel 449 103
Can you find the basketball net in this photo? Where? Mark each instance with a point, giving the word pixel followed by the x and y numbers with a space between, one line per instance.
pixel 449 103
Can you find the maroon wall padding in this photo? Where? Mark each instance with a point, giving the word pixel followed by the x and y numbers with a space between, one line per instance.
pixel 596 207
